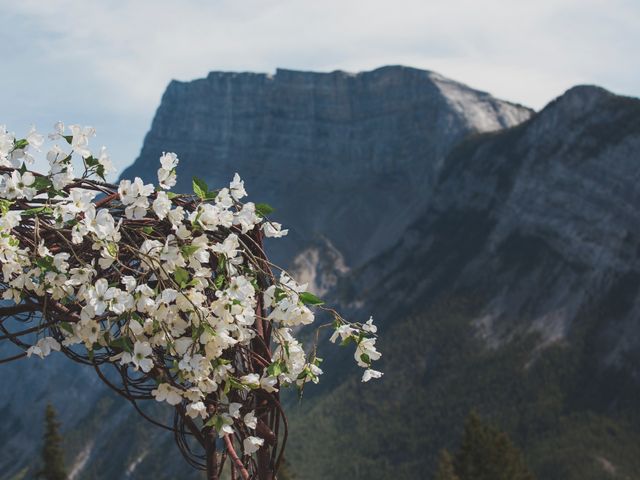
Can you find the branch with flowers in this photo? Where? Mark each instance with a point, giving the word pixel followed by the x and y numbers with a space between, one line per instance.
pixel 173 291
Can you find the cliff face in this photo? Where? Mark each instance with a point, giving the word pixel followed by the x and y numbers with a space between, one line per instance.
pixel 351 157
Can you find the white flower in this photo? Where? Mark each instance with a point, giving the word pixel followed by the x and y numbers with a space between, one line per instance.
pixel 251 380
pixel 197 409
pixel 246 218
pixel 343 331
pixel 167 393
pixel 366 352
pixel 237 188
pixel 169 160
pixel 129 283
pixel 102 224
pixel 35 139
pixel 176 216
pixel 18 185
pixel 229 247
pixel 79 201
pixel 223 199
pixel 234 409
pixel 6 146
pixel 140 357
pixel 273 229
pixel 122 302
pixel 167 173
pixel 61 173
pixel 369 326
pixel 161 205
pixel 80 139
pixel 369 374
pixel 252 445
pixel 9 220
pixel 250 420
pixel 268 384
pixel 99 295
pixel 58 128
pixel 134 196
pixel 240 288
pixel 227 425
pixel 210 217
pixel 105 161
pixel 43 347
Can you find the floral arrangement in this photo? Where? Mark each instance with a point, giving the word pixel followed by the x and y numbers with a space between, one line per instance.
pixel 172 290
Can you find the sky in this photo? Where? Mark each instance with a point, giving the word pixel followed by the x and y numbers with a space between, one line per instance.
pixel 106 63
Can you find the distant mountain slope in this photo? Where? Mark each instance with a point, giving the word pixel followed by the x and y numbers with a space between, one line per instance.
pixel 516 292
pixel 544 218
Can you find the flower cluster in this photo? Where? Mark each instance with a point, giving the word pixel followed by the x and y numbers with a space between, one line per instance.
pixel 171 288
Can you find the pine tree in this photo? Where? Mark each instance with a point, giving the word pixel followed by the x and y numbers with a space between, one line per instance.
pixel 446 470
pixel 488 454
pixel 52 454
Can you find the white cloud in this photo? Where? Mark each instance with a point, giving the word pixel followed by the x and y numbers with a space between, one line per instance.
pixel 111 60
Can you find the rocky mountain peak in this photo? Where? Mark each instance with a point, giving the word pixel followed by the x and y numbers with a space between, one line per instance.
pixel 575 103
pixel 348 156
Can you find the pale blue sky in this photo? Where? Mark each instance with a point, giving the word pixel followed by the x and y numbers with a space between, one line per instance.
pixel 106 63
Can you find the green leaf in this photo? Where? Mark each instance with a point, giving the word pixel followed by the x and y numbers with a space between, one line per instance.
pixel 212 421
pixel 112 248
pixel 41 183
pixel 68 138
pixel 20 144
pixel 122 343
pixel 209 329
pixel 219 281
pixel 34 211
pixel 211 195
pixel 222 264
pixel 147 230
pixel 346 341
pixel 5 205
pixel 264 209
pixel 200 188
pixel 189 250
pixel 52 192
pixel 45 263
pixel 279 294
pixel 274 369
pixel 238 385
pixel 181 276
pixel 310 299
pixel 100 171
pixel 171 195
pixel 91 161
pixel 66 326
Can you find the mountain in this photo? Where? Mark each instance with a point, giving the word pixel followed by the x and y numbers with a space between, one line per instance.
pixel 349 160
pixel 515 293
pixel 496 247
